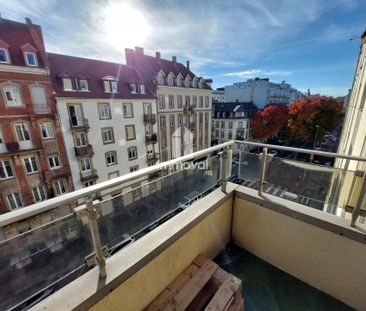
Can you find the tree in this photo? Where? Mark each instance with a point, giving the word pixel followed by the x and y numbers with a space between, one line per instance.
pixel 270 120
pixel 307 114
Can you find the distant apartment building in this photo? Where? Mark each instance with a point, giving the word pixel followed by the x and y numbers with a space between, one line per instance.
pixel 262 92
pixel 108 118
pixel 232 121
pixel 184 103
pixel 33 161
pixel 218 95
pixel 353 136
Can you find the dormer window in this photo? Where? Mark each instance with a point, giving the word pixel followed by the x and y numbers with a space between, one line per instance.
pixel 179 80
pixel 160 78
pixel 142 88
pixel 187 82
pixel 67 84
pixel 133 88
pixel 110 85
pixel 83 85
pixel 194 82
pixel 200 84
pixel 4 56
pixel 170 79
pixel 31 59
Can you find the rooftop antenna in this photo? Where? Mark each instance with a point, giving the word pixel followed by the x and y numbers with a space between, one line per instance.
pixel 357 36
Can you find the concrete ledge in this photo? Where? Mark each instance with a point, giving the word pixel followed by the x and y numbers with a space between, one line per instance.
pixel 86 291
pixel 321 219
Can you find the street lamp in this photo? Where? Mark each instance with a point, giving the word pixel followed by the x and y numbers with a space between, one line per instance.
pixel 316 135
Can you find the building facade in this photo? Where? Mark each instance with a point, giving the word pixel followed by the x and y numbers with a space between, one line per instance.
pixel 218 95
pixel 262 92
pixel 184 103
pixel 232 121
pixel 108 118
pixel 33 162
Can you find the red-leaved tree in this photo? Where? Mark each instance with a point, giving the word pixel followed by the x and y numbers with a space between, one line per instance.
pixel 269 121
pixel 307 114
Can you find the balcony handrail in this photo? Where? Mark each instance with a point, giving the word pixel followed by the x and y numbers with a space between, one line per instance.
pixel 67 198
pixel 301 150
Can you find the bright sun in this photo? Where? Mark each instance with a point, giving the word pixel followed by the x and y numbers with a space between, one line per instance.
pixel 124 26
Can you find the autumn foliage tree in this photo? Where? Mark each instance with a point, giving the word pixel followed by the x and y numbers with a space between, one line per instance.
pixel 270 120
pixel 307 114
pixel 300 120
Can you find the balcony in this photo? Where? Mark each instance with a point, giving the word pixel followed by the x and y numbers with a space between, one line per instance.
pixel 81 123
pixel 42 109
pixel 84 151
pixel 150 118
pixel 151 139
pixel 13 147
pixel 285 251
pixel 89 174
pixel 190 125
pixel 57 173
pixel 152 157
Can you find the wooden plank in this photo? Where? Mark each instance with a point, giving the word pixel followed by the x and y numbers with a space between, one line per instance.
pixel 204 296
pixel 182 300
pixel 200 260
pixel 167 295
pixel 222 297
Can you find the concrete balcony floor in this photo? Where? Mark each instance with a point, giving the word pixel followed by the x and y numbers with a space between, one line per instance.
pixel 266 287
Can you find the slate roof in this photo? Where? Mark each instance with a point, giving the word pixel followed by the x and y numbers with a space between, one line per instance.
pixel 249 108
pixel 16 35
pixel 149 66
pixel 94 71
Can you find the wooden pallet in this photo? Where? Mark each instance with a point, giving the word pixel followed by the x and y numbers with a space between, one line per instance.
pixel 202 286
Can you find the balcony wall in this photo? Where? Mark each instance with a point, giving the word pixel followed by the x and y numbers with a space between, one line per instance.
pixel 317 248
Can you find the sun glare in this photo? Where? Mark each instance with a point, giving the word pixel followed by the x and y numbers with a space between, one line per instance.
pixel 125 26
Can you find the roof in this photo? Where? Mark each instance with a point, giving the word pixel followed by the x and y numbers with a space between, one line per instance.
pixel 150 66
pixel 17 35
pixel 94 71
pixel 234 106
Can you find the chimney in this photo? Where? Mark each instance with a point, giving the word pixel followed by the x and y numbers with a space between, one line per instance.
pixel 28 21
pixel 139 50
pixel 129 54
pixel 188 64
pixel 157 55
pixel 174 59
pixel 37 37
pixel 208 82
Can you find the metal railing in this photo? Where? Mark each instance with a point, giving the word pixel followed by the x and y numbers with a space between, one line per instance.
pixel 265 157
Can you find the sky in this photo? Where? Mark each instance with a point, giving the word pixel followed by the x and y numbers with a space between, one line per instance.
pixel 303 42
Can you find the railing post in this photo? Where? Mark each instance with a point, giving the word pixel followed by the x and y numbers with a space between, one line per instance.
pixel 224 166
pixel 262 172
pixel 94 230
pixel 360 202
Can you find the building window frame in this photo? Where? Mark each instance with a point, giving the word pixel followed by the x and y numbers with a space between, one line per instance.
pixel 127 110
pixel 12 96
pixel 14 201
pixel 128 130
pixel 5 54
pixel 104 110
pixel 59 187
pixel 46 129
pixel 30 164
pixel 33 55
pixel 39 194
pixel 53 161
pixel 107 135
pixel 6 171
pixel 111 158
pixel 132 153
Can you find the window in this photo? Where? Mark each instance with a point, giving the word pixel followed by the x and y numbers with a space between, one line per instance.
pixel 240 125
pixel 67 84
pixel 39 99
pixel 14 200
pixel 134 168
pixel 132 153
pixel 187 100
pixel 85 164
pixel 207 117
pixel 12 96
pixel 179 80
pixel 223 124
pixel 194 82
pixel 230 125
pixel 200 84
pixel 171 101
pixel 104 111
pixel 180 119
pixel 83 85
pixel 113 175
pixel 171 120
pixel 217 133
pixel 30 164
pixel 187 82
pixel 89 183
pixel 201 101
pixel 128 110
pixel 133 88
pixel 194 101
pixel 30 58
pixel 39 193
pixel 160 79
pixel 54 161
pixel 130 132
pixel 170 80
pixel 179 101
pixel 80 139
pixel 230 135
pixel 59 187
pixel 217 124
pixel 110 85
pixel 111 158
pixel 22 132
pixel 107 135
pixel 5 170
pixel 161 101
pixel 207 101
pixel 142 88
pixel 222 134
pixel 162 121
pixel 4 56
pixel 47 130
